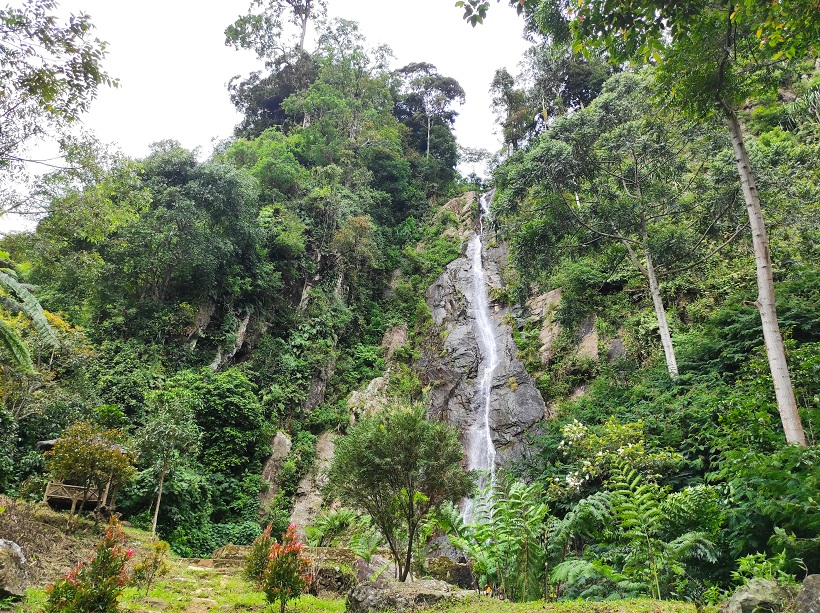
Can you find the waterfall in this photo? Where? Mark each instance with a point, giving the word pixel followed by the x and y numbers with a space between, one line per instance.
pixel 480 448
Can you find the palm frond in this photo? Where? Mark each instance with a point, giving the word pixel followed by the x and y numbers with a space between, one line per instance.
pixel 29 306
pixel 16 347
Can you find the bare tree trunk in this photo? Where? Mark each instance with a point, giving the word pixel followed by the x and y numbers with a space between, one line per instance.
pixel 775 351
pixel 408 559
pixel 304 31
pixel 429 126
pixel 159 498
pixel 660 313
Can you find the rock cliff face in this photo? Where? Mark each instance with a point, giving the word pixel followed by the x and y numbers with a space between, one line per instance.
pixel 453 365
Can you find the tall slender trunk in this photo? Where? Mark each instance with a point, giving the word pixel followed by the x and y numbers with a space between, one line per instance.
pixel 429 126
pixel 660 313
pixel 304 32
pixel 305 19
pixel 775 351
pixel 159 498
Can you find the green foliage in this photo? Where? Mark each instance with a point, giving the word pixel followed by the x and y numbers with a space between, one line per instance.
pixel 152 567
pixel 231 418
pixel 398 467
pixel 257 559
pixel 21 299
pixel 329 525
pixel 287 573
pixel 506 543
pixel 97 584
pixel 90 457
pixel 51 71
pixel 760 566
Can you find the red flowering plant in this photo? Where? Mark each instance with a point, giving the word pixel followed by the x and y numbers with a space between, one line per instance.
pixel 95 585
pixel 257 559
pixel 288 571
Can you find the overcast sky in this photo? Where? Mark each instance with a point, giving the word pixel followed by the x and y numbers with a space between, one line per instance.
pixel 173 65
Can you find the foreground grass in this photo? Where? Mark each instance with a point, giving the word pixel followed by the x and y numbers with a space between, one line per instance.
pixel 193 589
pixel 189 588
pixel 490 605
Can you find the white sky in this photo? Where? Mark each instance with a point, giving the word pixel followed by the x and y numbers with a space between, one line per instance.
pixel 173 65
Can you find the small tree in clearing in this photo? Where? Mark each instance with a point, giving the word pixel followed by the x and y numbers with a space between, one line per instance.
pixel 288 570
pixel 92 458
pixel 169 435
pixel 399 467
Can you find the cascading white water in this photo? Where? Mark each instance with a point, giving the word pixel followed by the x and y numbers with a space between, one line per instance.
pixel 481 451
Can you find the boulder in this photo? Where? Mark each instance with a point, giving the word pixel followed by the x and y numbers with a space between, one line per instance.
pixel 394 338
pixel 14 578
pixel 370 400
pixel 451 571
pixel 332 580
pixel 370 597
pixel 757 596
pixel 588 342
pixel 808 600
pixel 280 445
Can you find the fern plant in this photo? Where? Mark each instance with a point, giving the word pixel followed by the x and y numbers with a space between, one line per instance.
pixel 637 509
pixel 330 525
pixel 507 544
pixel 633 540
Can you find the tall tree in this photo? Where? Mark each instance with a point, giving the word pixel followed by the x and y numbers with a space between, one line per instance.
pixel 429 95
pixel 169 435
pixel 265 31
pixel 49 74
pixel 712 56
pixel 623 171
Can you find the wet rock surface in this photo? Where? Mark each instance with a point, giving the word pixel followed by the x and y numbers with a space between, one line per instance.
pixel 450 365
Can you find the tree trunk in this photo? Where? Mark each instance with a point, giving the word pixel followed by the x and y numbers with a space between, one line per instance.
pixel 429 127
pixel 775 351
pixel 408 557
pixel 660 313
pixel 159 498
pixel 304 31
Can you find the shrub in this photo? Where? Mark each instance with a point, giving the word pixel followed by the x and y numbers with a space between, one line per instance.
pixel 95 586
pixel 153 566
pixel 257 560
pixel 288 570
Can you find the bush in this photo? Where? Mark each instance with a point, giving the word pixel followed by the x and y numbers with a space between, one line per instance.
pixel 257 560
pixel 288 570
pixel 94 587
pixel 153 566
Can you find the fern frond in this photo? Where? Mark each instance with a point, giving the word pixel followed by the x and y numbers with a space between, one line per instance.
pixel 16 347
pixel 30 306
pixel 694 545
